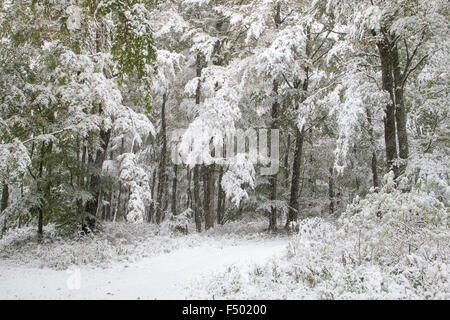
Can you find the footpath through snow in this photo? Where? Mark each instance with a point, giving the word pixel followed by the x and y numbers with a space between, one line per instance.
pixel 166 276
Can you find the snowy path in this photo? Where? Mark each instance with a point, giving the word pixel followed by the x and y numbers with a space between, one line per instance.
pixel 161 277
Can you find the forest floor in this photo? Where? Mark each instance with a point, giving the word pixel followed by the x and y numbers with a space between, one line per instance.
pixel 239 260
pixel 161 267
pixel 165 276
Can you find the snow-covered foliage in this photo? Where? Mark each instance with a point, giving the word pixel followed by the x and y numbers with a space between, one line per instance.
pixel 281 58
pixel 350 101
pixel 389 245
pixel 349 91
pixel 167 64
pixel 136 179
pixel 240 173
pixel 62 107
pixel 133 47
pixel 416 33
pixel 14 160
pixel 217 114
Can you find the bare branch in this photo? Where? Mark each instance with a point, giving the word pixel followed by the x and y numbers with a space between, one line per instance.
pixel 285 79
pixel 323 53
pixel 286 16
pixel 407 51
pixel 405 77
pixel 320 46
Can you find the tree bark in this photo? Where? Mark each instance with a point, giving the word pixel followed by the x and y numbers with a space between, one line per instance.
pixel 400 112
pixel 92 205
pixel 295 182
pixel 374 170
pixel 389 119
pixel 197 213
pixel 210 213
pixel 174 189
pixel 5 197
pixel 40 210
pixel 4 203
pixel 331 193
pixel 151 214
pixel 205 176
pixel 299 138
pixel 95 182
pixel 189 188
pixel 162 163
pixel 286 161
pixel 273 178
pixel 221 193
pixel 374 153
pixel 220 198
pixel 197 204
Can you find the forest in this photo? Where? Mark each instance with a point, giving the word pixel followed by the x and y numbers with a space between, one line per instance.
pixel 317 128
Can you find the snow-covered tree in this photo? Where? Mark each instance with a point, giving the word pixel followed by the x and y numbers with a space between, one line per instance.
pixel 387 43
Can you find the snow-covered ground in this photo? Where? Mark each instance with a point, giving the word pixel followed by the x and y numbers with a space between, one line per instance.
pixel 164 276
pixel 404 255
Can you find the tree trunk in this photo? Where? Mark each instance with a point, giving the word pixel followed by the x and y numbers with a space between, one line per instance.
pixel 205 176
pixel 210 214
pixel 286 161
pixel 4 204
pixel 125 204
pixel 119 201
pixel 374 153
pixel 174 189
pixel 92 204
pixel 273 178
pixel 221 193
pixel 389 120
pixel 295 184
pixel 220 198
pixel 189 188
pixel 400 113
pixel 374 170
pixel 166 199
pixel 110 207
pixel 331 192
pixel 299 138
pixel 5 197
pixel 108 213
pixel 151 214
pixel 162 163
pixel 40 189
pixel 197 217
pixel 197 204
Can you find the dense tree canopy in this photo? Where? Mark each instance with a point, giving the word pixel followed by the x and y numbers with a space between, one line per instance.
pixel 128 110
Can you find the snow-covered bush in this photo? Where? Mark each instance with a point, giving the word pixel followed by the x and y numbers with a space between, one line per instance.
pixel 250 226
pixel 392 225
pixel 180 223
pixel 389 245
pixel 59 252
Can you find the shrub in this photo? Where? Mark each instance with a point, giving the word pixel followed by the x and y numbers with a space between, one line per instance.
pixel 389 245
